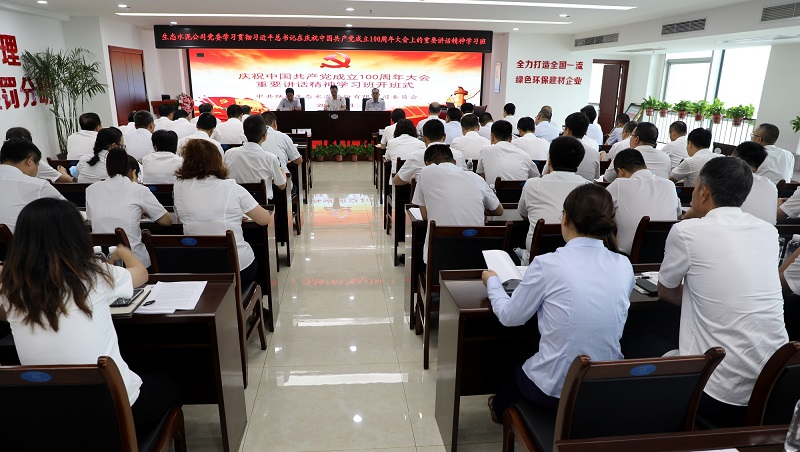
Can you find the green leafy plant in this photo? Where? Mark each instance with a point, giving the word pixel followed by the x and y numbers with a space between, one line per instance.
pixel 716 108
pixel 67 78
pixel 699 107
pixel 662 105
pixel 740 111
pixel 795 124
pixel 650 102
pixel 683 105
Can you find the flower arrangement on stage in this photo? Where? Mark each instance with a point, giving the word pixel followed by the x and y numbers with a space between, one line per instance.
pixel 186 103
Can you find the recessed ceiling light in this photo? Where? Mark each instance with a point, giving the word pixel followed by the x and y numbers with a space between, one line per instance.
pixel 122 5
pixel 563 15
pixel 349 25
pixel 515 29
pixel 42 2
pixel 173 23
pixel 349 9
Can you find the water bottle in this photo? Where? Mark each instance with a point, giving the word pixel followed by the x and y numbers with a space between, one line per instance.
pixel 111 250
pixel 792 246
pixel 781 249
pixel 792 443
pixel 98 253
pixel 469 164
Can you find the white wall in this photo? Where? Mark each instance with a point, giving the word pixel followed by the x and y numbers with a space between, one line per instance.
pixel 780 99
pixel 495 101
pixel 34 34
pixel 85 32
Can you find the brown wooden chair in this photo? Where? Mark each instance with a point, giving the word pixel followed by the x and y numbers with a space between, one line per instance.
pixel 777 388
pixel 786 190
pixel 508 191
pixel 67 164
pixel 5 241
pixel 211 254
pixel 77 407
pixel 164 193
pixel 684 194
pixel 604 164
pixel 727 149
pixel 75 193
pixel 649 241
pixel 388 204
pixel 452 248
pixel 546 238
pixel 615 398
pixel 540 164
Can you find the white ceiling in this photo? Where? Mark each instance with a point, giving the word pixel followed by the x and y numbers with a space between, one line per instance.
pixel 510 14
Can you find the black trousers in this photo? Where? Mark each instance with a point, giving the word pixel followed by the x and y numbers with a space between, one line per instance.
pixel 158 394
pixel 720 414
pixel 248 274
pixel 518 386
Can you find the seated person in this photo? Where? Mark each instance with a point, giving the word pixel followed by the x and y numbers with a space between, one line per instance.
pixel 45 171
pixel 451 196
pixel 504 160
pixel 697 146
pixel 575 126
pixel 536 147
pixel 52 263
pixel 375 103
pixel 166 112
pixel 638 193
pixel 388 132
pixel 616 134
pixel 92 168
pixel 278 143
pixel 204 108
pixel 290 103
pixel 334 102
pixel 627 130
pixel 159 166
pixel 544 127
pixel 467 109
pixel 486 121
pixel 594 131
pixel 231 131
pixel 138 142
pixel 130 126
pixel 433 113
pixel 578 312
pixel 206 124
pixel 81 142
pixel 120 201
pixel 643 139
pixel 676 148
pixel 404 143
pixel 19 163
pixel 452 125
pixel 246 112
pixel 719 266
pixel 249 163
pixel 543 197
pixel 432 133
pixel 762 201
pixel 472 142
pixel 181 125
pixel 509 110
pixel 779 164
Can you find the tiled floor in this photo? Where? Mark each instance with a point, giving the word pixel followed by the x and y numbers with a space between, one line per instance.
pixel 343 371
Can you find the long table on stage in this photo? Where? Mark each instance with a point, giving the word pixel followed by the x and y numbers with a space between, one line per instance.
pixel 334 125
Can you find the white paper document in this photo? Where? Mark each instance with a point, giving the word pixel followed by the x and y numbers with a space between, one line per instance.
pixel 168 297
pixel 501 263
pixel 415 213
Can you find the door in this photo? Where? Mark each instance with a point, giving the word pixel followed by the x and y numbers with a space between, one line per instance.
pixel 128 80
pixel 612 94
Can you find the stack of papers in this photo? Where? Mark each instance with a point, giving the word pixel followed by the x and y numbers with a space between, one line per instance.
pixel 168 297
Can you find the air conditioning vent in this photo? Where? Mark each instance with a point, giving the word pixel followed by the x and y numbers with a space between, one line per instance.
pixel 778 12
pixel 684 27
pixel 593 40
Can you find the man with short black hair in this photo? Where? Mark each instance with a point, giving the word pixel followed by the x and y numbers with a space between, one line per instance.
pixel 159 166
pixel 643 139
pixel 249 163
pixel 698 147
pixel 576 126
pixel 19 164
pixel 594 131
pixel 81 142
pixel 616 134
pixel 289 103
pixel 388 132
pixel 486 121
pixel 544 128
pixel 536 147
pixel 432 133
pixel 279 143
pixel 504 160
pixel 471 143
pixel 779 164
pixel 627 130
pixel 676 148
pixel 637 193
pixel 45 172
pixel 543 197
pixel 165 114
pixel 719 266
pixel 125 128
pixel 375 103
pixel 433 113
pixel 206 123
pixel 335 102
pixel 138 143
pixel 245 112
pixel 452 126
pixel 232 130
pixel 449 195
pixel 181 125
pixel 467 108
pixel 762 201
pixel 205 108
pixel 509 110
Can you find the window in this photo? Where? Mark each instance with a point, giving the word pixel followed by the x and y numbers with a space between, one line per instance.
pixel 742 76
pixel 687 76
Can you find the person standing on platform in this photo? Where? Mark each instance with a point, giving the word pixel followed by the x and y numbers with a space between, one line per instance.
pixel 231 131
pixel 334 102
pixel 509 110
pixel 139 142
pixel 471 143
pixel 433 113
pixel 537 148
pixel 290 103
pixel 249 163
pixel 544 128
pixel 452 126
pixel 676 148
pixel 81 142
pixel 375 103
pixel 206 124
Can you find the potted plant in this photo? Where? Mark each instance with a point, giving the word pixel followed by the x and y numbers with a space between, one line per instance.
pixel 338 151
pixel 739 112
pixel 795 123
pixel 716 109
pixel 699 109
pixel 67 80
pixel 682 107
pixel 319 152
pixel 649 103
pixel 354 152
pixel 663 108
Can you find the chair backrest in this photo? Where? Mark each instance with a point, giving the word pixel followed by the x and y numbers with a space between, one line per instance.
pixel 364 103
pixel 164 193
pixel 55 163
pixel 727 149
pixel 649 241
pixel 302 103
pixel 540 164
pixel 347 103
pixel 479 110
pixel 604 164
pixel 508 191
pixel 6 238
pixel 84 406
pixel 546 238
pixel 633 396
pixel 786 190
pixel 119 237
pixel 258 190
pixel 777 388
pixel 519 228
pixel 459 247
pixel 75 193
pixel 684 194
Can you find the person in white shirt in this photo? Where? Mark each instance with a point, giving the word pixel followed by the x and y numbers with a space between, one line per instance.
pixel 139 142
pixel 208 203
pixel 544 197
pixel 762 201
pixel 471 143
pixel 452 126
pixel 449 195
pixel 120 201
pixel 404 144
pixel 159 166
pixel 71 321
pixel 249 163
pixel 432 133
pixel 165 116
pixel 375 103
pixel 290 103
pixel 779 164
pixel 576 125
pixel 280 144
pixel 45 171
pixel 544 128
pixel 92 168
pixel 81 142
pixel 719 266
pixel 467 109
pixel 388 132
pixel 594 131
pixel 627 130
pixel 676 148
pixel 433 113
pixel 616 134
pixel 536 147
pixel 245 112
pixel 509 110
pixel 486 121
pixel 638 193
pixel 125 128
pixel 181 125
pixel 205 108
pixel 334 102
pixel 231 131
pixel 697 146
pixel 578 312
pixel 643 139
pixel 503 160
pixel 19 162
pixel 206 123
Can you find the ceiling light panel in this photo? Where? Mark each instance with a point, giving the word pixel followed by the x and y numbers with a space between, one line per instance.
pixel 323 16
pixel 509 3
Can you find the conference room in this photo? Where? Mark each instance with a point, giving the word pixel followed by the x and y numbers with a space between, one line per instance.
pixel 367 326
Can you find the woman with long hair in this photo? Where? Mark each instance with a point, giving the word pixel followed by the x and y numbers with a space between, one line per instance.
pixel 92 167
pixel 579 294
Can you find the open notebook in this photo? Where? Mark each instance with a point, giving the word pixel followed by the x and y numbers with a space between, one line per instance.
pixel 510 275
pixel 127 311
